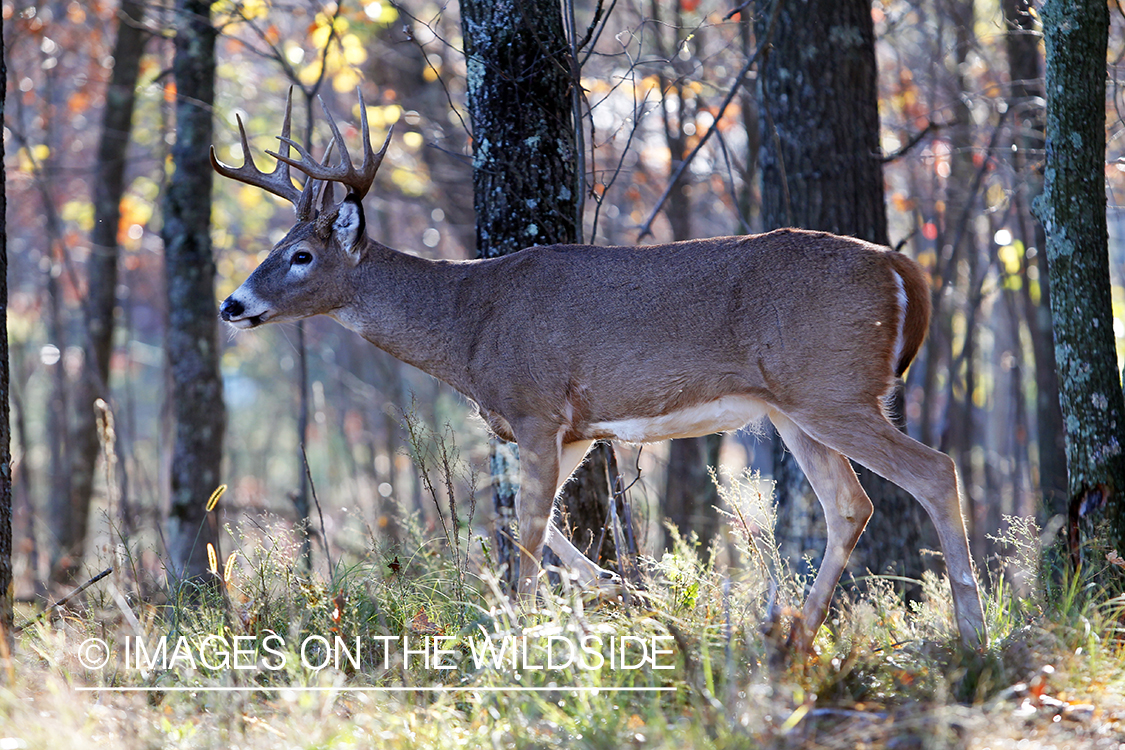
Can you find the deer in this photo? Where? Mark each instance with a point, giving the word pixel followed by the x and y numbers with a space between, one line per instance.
pixel 559 346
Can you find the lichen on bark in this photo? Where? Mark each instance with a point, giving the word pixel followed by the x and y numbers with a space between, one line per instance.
pixel 1072 209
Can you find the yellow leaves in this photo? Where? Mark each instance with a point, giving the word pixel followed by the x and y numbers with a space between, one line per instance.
pixel 996 196
pixel 408 181
pixel 380 118
pixel 136 212
pixel 354 51
pixel 1011 255
pixel 30 158
pixel 254 9
pixel 344 54
pixel 345 80
pixel 230 12
pixel 412 139
pixel 322 28
pixel 380 11
pixel 81 212
pixel 249 197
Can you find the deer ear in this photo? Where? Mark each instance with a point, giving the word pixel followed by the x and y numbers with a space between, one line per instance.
pixel 349 227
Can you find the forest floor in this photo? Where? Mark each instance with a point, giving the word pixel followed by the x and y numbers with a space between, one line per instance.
pixel 416 646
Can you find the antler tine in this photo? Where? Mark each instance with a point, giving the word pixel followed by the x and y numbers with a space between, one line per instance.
pixel 327 192
pixel 357 181
pixel 276 182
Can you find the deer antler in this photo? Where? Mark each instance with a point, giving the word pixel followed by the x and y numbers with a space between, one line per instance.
pixel 278 181
pixel 357 181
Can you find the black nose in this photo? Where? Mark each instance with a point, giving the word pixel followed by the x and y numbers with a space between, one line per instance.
pixel 231 308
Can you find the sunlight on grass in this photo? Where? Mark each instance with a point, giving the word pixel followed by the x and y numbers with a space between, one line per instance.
pixel 418 646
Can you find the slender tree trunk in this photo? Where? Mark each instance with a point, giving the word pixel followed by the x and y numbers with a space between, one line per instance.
pixel 524 184
pixel 192 340
pixel 818 106
pixel 101 297
pixel 691 499
pixel 962 427
pixel 1022 43
pixel 6 583
pixel 1072 209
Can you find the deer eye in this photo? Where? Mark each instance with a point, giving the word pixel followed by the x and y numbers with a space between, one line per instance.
pixel 301 258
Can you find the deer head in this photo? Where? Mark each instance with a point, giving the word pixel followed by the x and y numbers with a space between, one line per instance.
pixel 298 278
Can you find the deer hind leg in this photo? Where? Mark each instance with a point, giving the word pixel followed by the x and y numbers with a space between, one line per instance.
pixel 931 477
pixel 846 509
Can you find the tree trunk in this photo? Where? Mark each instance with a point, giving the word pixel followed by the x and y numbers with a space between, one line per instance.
pixel 962 426
pixel 818 109
pixel 691 499
pixel 1072 209
pixel 1022 43
pixel 524 182
pixel 101 296
pixel 6 583
pixel 192 339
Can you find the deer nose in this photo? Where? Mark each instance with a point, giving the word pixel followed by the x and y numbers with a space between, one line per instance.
pixel 231 308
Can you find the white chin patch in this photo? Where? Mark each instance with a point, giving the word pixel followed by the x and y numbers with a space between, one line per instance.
pixel 244 323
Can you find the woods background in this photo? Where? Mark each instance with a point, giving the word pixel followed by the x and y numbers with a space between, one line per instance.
pixel 96 110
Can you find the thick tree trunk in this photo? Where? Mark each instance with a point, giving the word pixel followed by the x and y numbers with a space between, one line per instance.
pixel 101 297
pixel 192 340
pixel 1072 209
pixel 818 108
pixel 524 184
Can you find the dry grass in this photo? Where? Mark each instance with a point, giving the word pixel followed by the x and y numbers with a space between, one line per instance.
pixel 886 675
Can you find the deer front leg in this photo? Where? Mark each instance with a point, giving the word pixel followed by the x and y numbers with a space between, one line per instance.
pixel 539 477
pixel 533 505
pixel 846 509
pixel 589 572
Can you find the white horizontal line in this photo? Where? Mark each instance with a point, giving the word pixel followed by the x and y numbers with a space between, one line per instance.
pixel 398 689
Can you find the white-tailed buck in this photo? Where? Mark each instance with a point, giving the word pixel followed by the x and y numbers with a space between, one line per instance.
pixel 562 345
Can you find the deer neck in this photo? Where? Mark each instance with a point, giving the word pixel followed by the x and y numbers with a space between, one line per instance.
pixel 406 306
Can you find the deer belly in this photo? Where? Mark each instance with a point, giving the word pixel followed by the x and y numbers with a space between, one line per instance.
pixel 721 415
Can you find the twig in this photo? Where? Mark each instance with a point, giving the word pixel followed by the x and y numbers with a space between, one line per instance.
pixel 646 229
pixel 319 512
pixel 914 141
pixel 63 602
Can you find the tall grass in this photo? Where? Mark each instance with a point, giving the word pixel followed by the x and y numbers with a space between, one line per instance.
pixel 884 672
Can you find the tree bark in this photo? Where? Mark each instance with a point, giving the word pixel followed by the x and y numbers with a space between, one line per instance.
pixel 691 498
pixel 101 296
pixel 524 184
pixel 818 106
pixel 192 340
pixel 1072 210
pixel 6 583
pixel 1022 43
